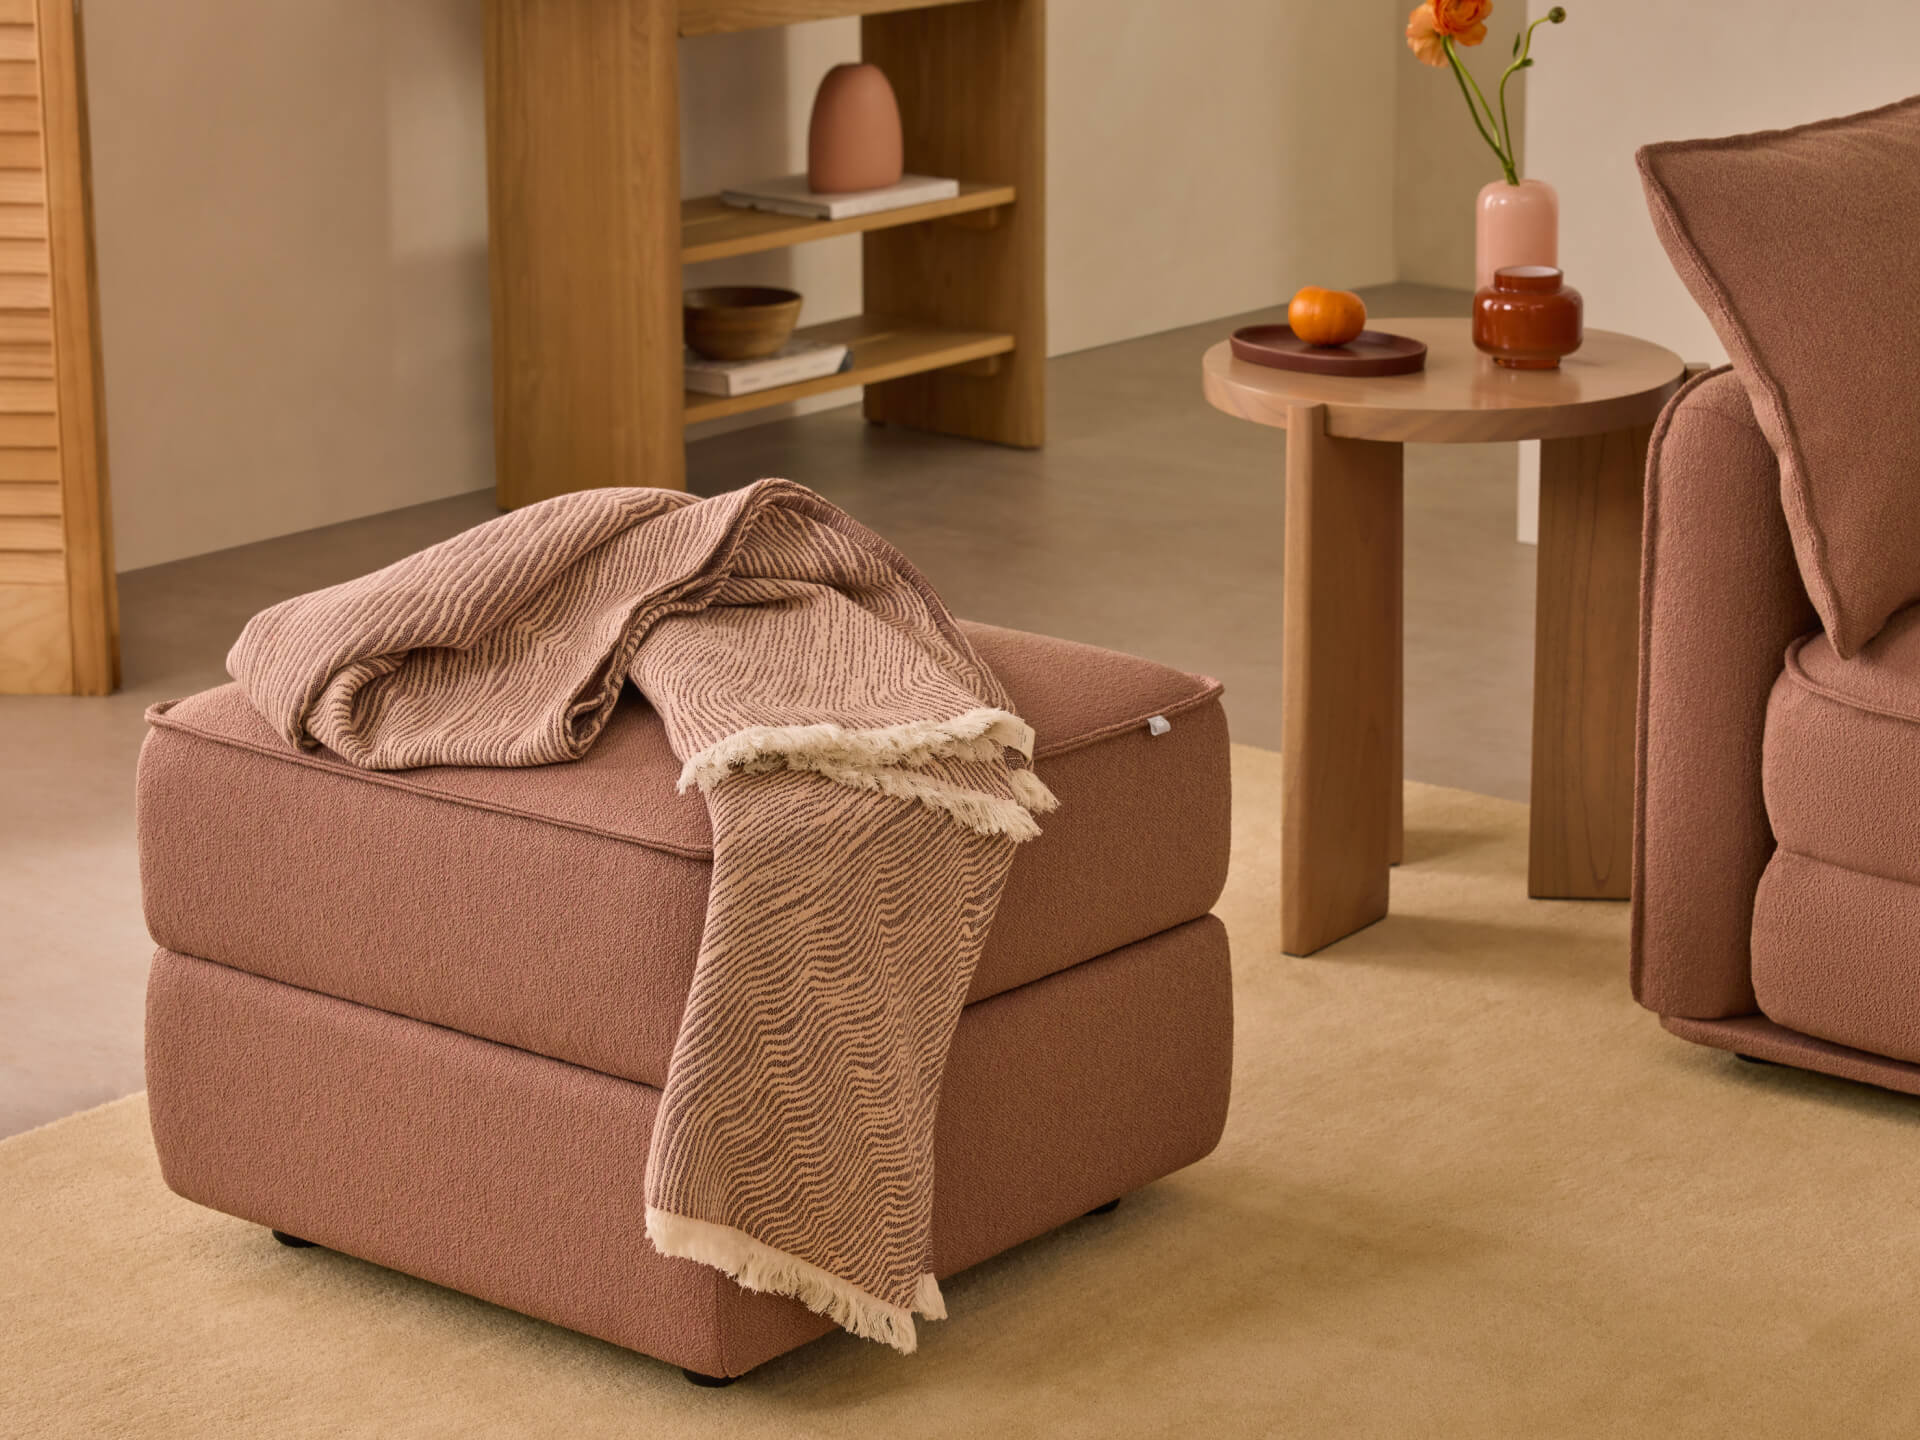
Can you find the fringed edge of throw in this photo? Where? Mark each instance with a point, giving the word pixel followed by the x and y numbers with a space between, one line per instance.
pixel 885 761
pixel 763 1267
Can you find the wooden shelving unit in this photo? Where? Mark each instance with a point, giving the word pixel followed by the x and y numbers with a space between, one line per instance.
pixel 583 169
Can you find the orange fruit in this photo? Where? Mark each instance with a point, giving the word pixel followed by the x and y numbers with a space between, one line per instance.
pixel 1327 317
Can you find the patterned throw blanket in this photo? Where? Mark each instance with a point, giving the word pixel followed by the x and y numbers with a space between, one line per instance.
pixel 867 785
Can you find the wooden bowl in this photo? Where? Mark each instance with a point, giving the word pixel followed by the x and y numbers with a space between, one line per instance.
pixel 739 322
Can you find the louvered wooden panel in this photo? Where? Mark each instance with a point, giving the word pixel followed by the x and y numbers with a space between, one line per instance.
pixel 58 617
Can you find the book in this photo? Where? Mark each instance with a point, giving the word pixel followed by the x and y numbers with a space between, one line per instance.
pixel 797 360
pixel 789 195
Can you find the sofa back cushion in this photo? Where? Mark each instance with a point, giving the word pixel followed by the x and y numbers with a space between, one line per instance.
pixel 1803 247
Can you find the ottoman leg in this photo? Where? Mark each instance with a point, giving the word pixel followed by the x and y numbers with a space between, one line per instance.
pixel 293 1242
pixel 709 1382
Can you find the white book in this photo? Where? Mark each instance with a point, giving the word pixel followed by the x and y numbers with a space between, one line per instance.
pixel 789 195
pixel 798 360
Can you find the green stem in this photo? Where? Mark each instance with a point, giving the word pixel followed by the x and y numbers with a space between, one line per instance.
pixel 1461 74
pixel 1506 126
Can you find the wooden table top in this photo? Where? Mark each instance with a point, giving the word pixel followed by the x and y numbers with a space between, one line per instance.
pixel 1613 382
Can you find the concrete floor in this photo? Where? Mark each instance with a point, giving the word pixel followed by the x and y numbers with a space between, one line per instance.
pixel 1150 523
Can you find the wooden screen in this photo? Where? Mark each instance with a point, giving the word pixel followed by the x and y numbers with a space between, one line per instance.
pixel 58 620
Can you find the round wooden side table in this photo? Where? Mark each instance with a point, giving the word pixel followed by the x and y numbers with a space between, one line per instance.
pixel 1340 726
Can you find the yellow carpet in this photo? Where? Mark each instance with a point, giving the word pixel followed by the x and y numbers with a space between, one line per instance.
pixel 1467 1189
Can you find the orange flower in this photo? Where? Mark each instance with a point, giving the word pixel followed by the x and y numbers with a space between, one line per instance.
pixel 1423 36
pixel 1464 20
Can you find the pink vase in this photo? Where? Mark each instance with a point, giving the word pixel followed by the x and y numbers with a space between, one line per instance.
pixel 854 142
pixel 1515 225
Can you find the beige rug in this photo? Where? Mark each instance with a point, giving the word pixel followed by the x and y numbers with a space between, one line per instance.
pixel 1468 1189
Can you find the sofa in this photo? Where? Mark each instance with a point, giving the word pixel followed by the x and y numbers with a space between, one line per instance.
pixel 423 1017
pixel 1776 908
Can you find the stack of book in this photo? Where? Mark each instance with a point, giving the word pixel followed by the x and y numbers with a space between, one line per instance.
pixel 796 361
pixel 789 195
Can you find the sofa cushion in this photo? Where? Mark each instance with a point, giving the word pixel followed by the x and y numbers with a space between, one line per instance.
pixel 1799 245
pixel 1840 764
pixel 559 909
pixel 1836 922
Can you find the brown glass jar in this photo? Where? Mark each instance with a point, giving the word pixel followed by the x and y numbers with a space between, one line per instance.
pixel 1527 319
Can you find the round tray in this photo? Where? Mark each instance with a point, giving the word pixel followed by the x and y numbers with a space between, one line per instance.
pixel 1371 352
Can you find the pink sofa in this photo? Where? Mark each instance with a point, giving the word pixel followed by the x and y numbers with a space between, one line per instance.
pixel 422 1017
pixel 1777 848
pixel 1776 887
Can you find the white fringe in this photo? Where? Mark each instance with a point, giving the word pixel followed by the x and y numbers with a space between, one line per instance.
pixel 885 760
pixel 762 1267
pixel 1032 792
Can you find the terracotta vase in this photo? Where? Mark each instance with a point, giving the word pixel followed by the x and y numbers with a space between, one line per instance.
pixel 1515 225
pixel 1528 319
pixel 854 141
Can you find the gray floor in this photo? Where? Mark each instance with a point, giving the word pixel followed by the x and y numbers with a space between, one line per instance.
pixel 1150 523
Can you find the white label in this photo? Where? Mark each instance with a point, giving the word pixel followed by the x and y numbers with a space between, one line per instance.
pixel 1159 725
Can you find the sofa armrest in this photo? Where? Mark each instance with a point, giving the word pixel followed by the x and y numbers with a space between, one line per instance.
pixel 1720 599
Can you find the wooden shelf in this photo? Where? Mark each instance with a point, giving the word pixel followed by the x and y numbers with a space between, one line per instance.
pixel 590 233
pixel 712 17
pixel 883 349
pixel 713 230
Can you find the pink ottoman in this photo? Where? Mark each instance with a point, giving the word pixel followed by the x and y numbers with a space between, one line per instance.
pixel 423 1017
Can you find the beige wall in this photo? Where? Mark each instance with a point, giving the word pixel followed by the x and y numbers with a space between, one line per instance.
pixel 1440 161
pixel 1637 71
pixel 292 238
pixel 1208 156
pixel 291 235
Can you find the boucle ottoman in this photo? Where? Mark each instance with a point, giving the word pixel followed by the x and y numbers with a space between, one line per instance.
pixel 422 1017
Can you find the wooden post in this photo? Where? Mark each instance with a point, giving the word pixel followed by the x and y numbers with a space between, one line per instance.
pixel 583 199
pixel 972 86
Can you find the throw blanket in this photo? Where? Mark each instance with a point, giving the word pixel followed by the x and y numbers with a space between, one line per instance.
pixel 867 784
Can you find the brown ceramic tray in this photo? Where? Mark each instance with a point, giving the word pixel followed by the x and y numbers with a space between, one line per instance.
pixel 1372 352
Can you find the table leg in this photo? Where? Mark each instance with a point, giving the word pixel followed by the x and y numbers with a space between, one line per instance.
pixel 1339 724
pixel 1586 665
pixel 1396 800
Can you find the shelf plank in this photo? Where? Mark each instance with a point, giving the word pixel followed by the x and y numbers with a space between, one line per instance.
pixel 713 230
pixel 883 349
pixel 714 17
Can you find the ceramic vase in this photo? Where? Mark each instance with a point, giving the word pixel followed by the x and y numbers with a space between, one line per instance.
pixel 1528 319
pixel 854 141
pixel 1515 225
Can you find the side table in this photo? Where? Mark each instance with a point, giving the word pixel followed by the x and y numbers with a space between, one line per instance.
pixel 1341 737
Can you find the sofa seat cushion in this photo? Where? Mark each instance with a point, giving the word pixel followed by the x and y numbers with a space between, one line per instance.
pixel 1836 925
pixel 1841 758
pixel 559 909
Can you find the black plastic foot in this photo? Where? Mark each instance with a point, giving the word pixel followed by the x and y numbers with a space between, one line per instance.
pixel 1753 1059
pixel 1106 1209
pixel 709 1382
pixel 293 1242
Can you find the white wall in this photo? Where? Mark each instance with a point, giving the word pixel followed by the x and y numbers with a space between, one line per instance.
pixel 1634 71
pixel 291 207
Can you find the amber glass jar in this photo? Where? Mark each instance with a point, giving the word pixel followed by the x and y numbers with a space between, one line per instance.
pixel 1527 319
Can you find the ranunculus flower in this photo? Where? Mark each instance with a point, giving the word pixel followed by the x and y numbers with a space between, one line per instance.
pixel 1464 20
pixel 1423 37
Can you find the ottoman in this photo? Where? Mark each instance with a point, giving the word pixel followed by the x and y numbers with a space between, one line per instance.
pixel 423 1017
